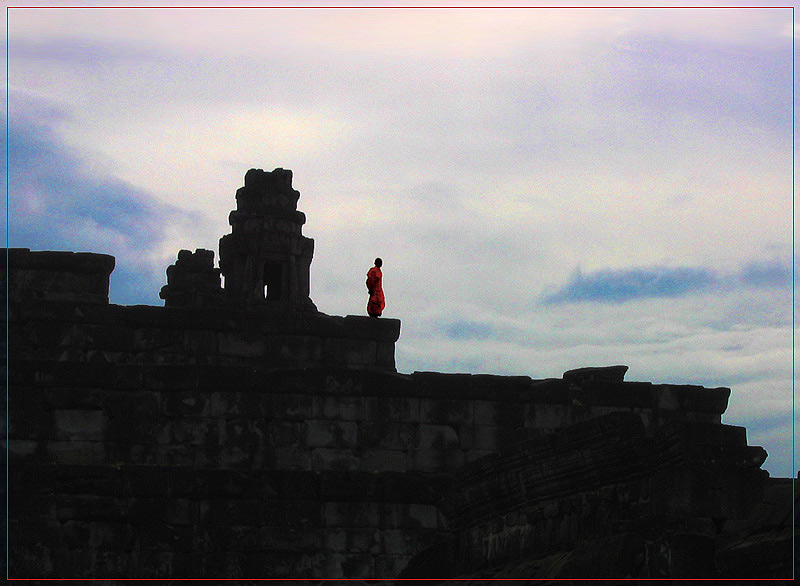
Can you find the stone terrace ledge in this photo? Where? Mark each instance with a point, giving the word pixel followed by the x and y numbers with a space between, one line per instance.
pixel 271 337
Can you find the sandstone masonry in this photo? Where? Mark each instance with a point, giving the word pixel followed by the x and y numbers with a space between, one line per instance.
pixel 238 432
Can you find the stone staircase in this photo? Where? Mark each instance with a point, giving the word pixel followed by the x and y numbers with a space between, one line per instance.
pixel 605 498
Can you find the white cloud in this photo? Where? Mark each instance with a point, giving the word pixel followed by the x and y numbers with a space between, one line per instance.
pixel 191 158
pixel 415 31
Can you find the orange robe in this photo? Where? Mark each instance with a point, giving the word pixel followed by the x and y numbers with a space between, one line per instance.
pixel 376 301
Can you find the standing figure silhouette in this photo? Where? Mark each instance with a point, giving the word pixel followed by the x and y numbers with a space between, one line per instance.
pixel 376 301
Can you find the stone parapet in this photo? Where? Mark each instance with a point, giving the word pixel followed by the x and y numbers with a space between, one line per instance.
pixel 58 276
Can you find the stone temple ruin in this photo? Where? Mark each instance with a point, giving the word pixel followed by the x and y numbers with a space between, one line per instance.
pixel 265 260
pixel 238 432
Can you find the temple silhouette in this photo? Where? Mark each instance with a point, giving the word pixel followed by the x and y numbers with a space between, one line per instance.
pixel 239 432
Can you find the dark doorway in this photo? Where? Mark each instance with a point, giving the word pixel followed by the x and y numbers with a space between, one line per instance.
pixel 273 281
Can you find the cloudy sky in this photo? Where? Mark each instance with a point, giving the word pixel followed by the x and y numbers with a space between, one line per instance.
pixel 549 188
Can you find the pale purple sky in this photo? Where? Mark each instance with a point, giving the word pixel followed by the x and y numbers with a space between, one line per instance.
pixel 549 188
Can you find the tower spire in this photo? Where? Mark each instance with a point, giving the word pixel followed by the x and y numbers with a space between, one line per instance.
pixel 266 259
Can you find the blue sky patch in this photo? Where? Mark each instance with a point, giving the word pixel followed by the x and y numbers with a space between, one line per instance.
pixel 618 286
pixel 766 274
pixel 54 205
pixel 468 330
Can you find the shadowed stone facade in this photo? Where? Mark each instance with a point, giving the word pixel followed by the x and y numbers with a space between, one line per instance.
pixel 238 432
pixel 608 498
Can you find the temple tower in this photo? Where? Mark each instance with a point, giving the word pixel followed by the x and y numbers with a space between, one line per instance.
pixel 266 259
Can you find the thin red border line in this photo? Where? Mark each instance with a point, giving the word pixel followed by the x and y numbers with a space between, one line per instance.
pixel 212 7
pixel 794 464
pixel 8 470
pixel 416 7
pixel 794 477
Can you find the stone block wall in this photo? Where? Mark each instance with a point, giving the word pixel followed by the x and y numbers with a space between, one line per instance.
pixel 209 470
pixel 305 419
pixel 269 442
pixel 87 332
pixel 137 521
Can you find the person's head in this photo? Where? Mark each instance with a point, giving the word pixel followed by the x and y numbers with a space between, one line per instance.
pixel 378 262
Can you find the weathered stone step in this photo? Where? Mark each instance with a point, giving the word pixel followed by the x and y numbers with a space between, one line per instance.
pixel 700 433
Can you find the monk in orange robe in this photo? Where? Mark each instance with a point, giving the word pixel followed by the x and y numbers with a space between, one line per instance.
pixel 376 301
